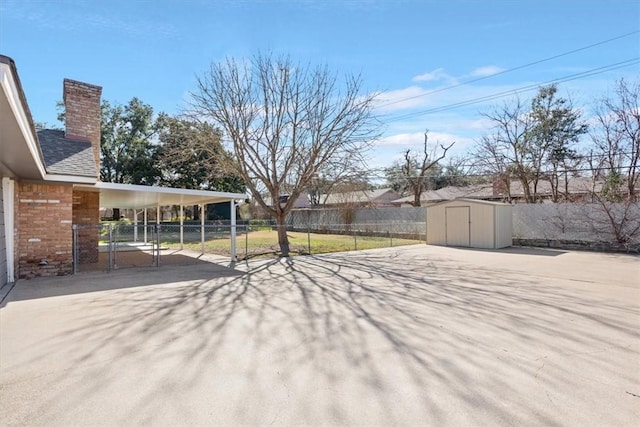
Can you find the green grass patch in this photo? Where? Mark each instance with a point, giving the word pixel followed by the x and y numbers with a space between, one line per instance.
pixel 265 243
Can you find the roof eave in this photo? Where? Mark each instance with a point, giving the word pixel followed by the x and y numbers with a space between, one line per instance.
pixel 17 103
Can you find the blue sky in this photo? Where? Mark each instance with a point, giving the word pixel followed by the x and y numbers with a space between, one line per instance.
pixel 153 49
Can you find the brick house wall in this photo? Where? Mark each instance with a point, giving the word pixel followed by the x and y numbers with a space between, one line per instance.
pixel 86 215
pixel 45 212
pixel 43 223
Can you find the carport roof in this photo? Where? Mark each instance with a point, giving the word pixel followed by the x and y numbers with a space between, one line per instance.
pixel 129 196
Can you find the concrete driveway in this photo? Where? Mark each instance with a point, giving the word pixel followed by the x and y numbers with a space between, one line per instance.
pixel 403 336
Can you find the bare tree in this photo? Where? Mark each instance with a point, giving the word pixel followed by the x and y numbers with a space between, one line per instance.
pixel 615 161
pixel 509 144
pixel 415 170
pixel 489 159
pixel 616 138
pixel 350 198
pixel 285 121
pixel 333 177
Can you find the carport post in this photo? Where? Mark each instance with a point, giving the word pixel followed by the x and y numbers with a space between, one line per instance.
pixel 181 227
pixel 135 225
pixel 74 227
pixel 201 228
pixel 145 225
pixel 233 231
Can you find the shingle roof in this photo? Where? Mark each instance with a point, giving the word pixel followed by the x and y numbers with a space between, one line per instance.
pixel 66 157
pixel 359 196
pixel 450 193
pixel 577 185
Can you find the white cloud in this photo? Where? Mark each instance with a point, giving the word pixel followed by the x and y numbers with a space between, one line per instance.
pixel 486 71
pixel 409 97
pixel 401 140
pixel 391 148
pixel 415 140
pixel 435 75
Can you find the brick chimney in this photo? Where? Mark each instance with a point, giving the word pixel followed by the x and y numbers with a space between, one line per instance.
pixel 501 185
pixel 82 114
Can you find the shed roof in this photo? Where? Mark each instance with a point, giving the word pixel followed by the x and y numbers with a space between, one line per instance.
pixel 476 201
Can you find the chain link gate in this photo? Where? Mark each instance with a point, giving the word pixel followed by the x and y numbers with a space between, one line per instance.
pixel 108 247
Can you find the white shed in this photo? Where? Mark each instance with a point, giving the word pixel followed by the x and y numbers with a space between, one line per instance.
pixel 469 223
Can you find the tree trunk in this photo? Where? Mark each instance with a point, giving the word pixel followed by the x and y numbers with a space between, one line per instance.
pixel 283 240
pixel 416 199
pixel 554 181
pixel 526 190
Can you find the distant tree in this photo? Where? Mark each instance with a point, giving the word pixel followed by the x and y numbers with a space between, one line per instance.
pixel 398 182
pixel 489 160
pixel 456 173
pixel 531 143
pixel 616 139
pixel 285 121
pixel 128 155
pixel 556 128
pixel 615 162
pixel 333 177
pixel 416 171
pixel 44 125
pixel 191 155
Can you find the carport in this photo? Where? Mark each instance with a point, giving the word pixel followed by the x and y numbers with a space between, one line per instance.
pixel 140 197
pixel 469 223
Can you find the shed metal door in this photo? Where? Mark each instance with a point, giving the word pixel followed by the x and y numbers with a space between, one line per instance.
pixel 458 226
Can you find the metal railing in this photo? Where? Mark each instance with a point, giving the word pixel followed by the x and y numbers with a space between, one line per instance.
pixel 115 246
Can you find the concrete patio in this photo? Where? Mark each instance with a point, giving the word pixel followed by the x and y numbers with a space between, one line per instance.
pixel 416 335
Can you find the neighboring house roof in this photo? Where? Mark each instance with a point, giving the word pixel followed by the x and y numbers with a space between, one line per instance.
pixel 381 195
pixel 482 191
pixel 577 185
pixel 66 157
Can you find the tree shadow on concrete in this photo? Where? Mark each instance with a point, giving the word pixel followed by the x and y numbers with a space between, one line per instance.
pixel 371 337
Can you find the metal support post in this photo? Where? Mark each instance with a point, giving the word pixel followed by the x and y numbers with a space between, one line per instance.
pixel 234 258
pixel 202 228
pixel 146 220
pixel 181 227
pixel 74 229
pixel 158 244
pixel 115 247
pixel 109 260
pixel 135 225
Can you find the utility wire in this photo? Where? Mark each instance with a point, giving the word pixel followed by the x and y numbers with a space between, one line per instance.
pixel 577 76
pixel 509 70
pixel 490 174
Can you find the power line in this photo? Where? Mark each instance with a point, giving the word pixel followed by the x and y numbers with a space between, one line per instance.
pixel 543 174
pixel 577 76
pixel 511 69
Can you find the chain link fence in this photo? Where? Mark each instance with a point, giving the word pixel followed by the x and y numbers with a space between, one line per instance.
pixel 106 247
pixel 120 245
pixel 260 238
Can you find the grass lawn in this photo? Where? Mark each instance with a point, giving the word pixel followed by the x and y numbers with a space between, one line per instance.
pixel 265 242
